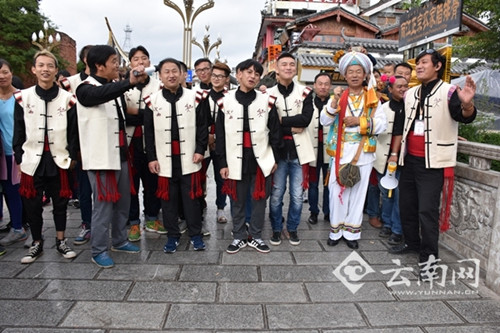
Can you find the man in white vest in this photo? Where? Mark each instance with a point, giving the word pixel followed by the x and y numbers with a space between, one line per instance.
pixel 295 109
pixel 248 139
pixel 176 135
pixel 45 145
pixel 322 86
pixel 101 125
pixel 220 78
pixel 84 189
pixel 388 143
pixel 428 156
pixel 135 120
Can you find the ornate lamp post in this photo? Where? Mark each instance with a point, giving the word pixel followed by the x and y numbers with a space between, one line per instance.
pixel 188 18
pixel 206 48
pixel 44 40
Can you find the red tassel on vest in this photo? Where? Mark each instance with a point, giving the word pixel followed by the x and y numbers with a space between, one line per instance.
pixel 65 191
pixel 446 199
pixel 108 192
pixel 162 191
pixel 131 177
pixel 259 191
pixel 229 188
pixel 196 189
pixel 27 187
pixel 305 176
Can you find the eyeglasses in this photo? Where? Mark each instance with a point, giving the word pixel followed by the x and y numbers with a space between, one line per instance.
pixel 218 77
pixel 202 70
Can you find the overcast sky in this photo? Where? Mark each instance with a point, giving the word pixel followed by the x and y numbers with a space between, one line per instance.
pixel 157 27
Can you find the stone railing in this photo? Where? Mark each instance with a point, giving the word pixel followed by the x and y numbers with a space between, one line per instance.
pixel 475 212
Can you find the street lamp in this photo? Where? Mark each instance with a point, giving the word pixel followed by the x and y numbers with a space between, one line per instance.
pixel 44 41
pixel 206 48
pixel 188 18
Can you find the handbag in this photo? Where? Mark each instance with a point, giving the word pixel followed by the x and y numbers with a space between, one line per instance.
pixel 349 174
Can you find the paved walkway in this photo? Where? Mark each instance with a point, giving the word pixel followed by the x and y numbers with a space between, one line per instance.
pixel 290 289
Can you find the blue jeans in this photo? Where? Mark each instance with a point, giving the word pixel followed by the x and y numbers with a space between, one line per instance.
pixel 313 193
pixel 390 207
pixel 372 208
pixel 293 169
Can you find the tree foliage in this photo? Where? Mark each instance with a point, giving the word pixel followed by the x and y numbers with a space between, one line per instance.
pixel 19 19
pixel 486 44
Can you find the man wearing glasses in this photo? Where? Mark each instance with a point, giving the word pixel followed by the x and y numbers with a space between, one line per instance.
pixel 219 80
pixel 428 156
pixel 203 69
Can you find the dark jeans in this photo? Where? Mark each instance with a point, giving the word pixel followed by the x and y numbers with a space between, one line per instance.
pixel 419 199
pixel 85 197
pixel 152 203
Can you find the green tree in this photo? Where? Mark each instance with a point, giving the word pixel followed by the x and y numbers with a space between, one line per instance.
pixel 19 19
pixel 486 44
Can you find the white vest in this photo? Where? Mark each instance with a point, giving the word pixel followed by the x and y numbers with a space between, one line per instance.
pixel 186 119
pixel 258 115
pixel 294 103
pixel 35 122
pixel 98 129
pixel 384 140
pixel 74 82
pixel 313 129
pixel 441 140
pixel 135 99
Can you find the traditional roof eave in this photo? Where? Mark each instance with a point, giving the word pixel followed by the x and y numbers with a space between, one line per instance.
pixel 305 20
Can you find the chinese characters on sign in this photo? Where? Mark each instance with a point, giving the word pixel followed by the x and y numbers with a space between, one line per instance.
pixel 430 22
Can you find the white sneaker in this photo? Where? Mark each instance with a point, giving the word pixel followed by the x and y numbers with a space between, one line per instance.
pixel 221 217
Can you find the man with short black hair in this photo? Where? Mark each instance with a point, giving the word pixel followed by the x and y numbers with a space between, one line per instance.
pixel 248 134
pixel 295 109
pixel 176 136
pixel 219 79
pixel 322 86
pixel 428 155
pixel 203 69
pixel 403 69
pixel 101 122
pixel 135 121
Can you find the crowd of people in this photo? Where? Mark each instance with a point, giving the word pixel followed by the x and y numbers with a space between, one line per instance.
pixel 109 134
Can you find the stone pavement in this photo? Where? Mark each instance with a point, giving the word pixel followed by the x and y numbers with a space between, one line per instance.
pixel 290 289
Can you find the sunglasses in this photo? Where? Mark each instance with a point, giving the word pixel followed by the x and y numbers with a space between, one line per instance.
pixel 428 51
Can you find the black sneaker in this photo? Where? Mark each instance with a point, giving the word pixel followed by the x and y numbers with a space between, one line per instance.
pixel 385 232
pixel 33 253
pixel 276 239
pixel 327 217
pixel 294 239
pixel 64 249
pixel 395 239
pixel 258 244
pixel 313 219
pixel 401 249
pixel 236 245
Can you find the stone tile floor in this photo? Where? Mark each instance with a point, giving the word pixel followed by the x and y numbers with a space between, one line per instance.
pixel 290 289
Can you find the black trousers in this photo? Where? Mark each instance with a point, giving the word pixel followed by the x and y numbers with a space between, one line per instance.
pixel 419 199
pixel 180 184
pixel 33 207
